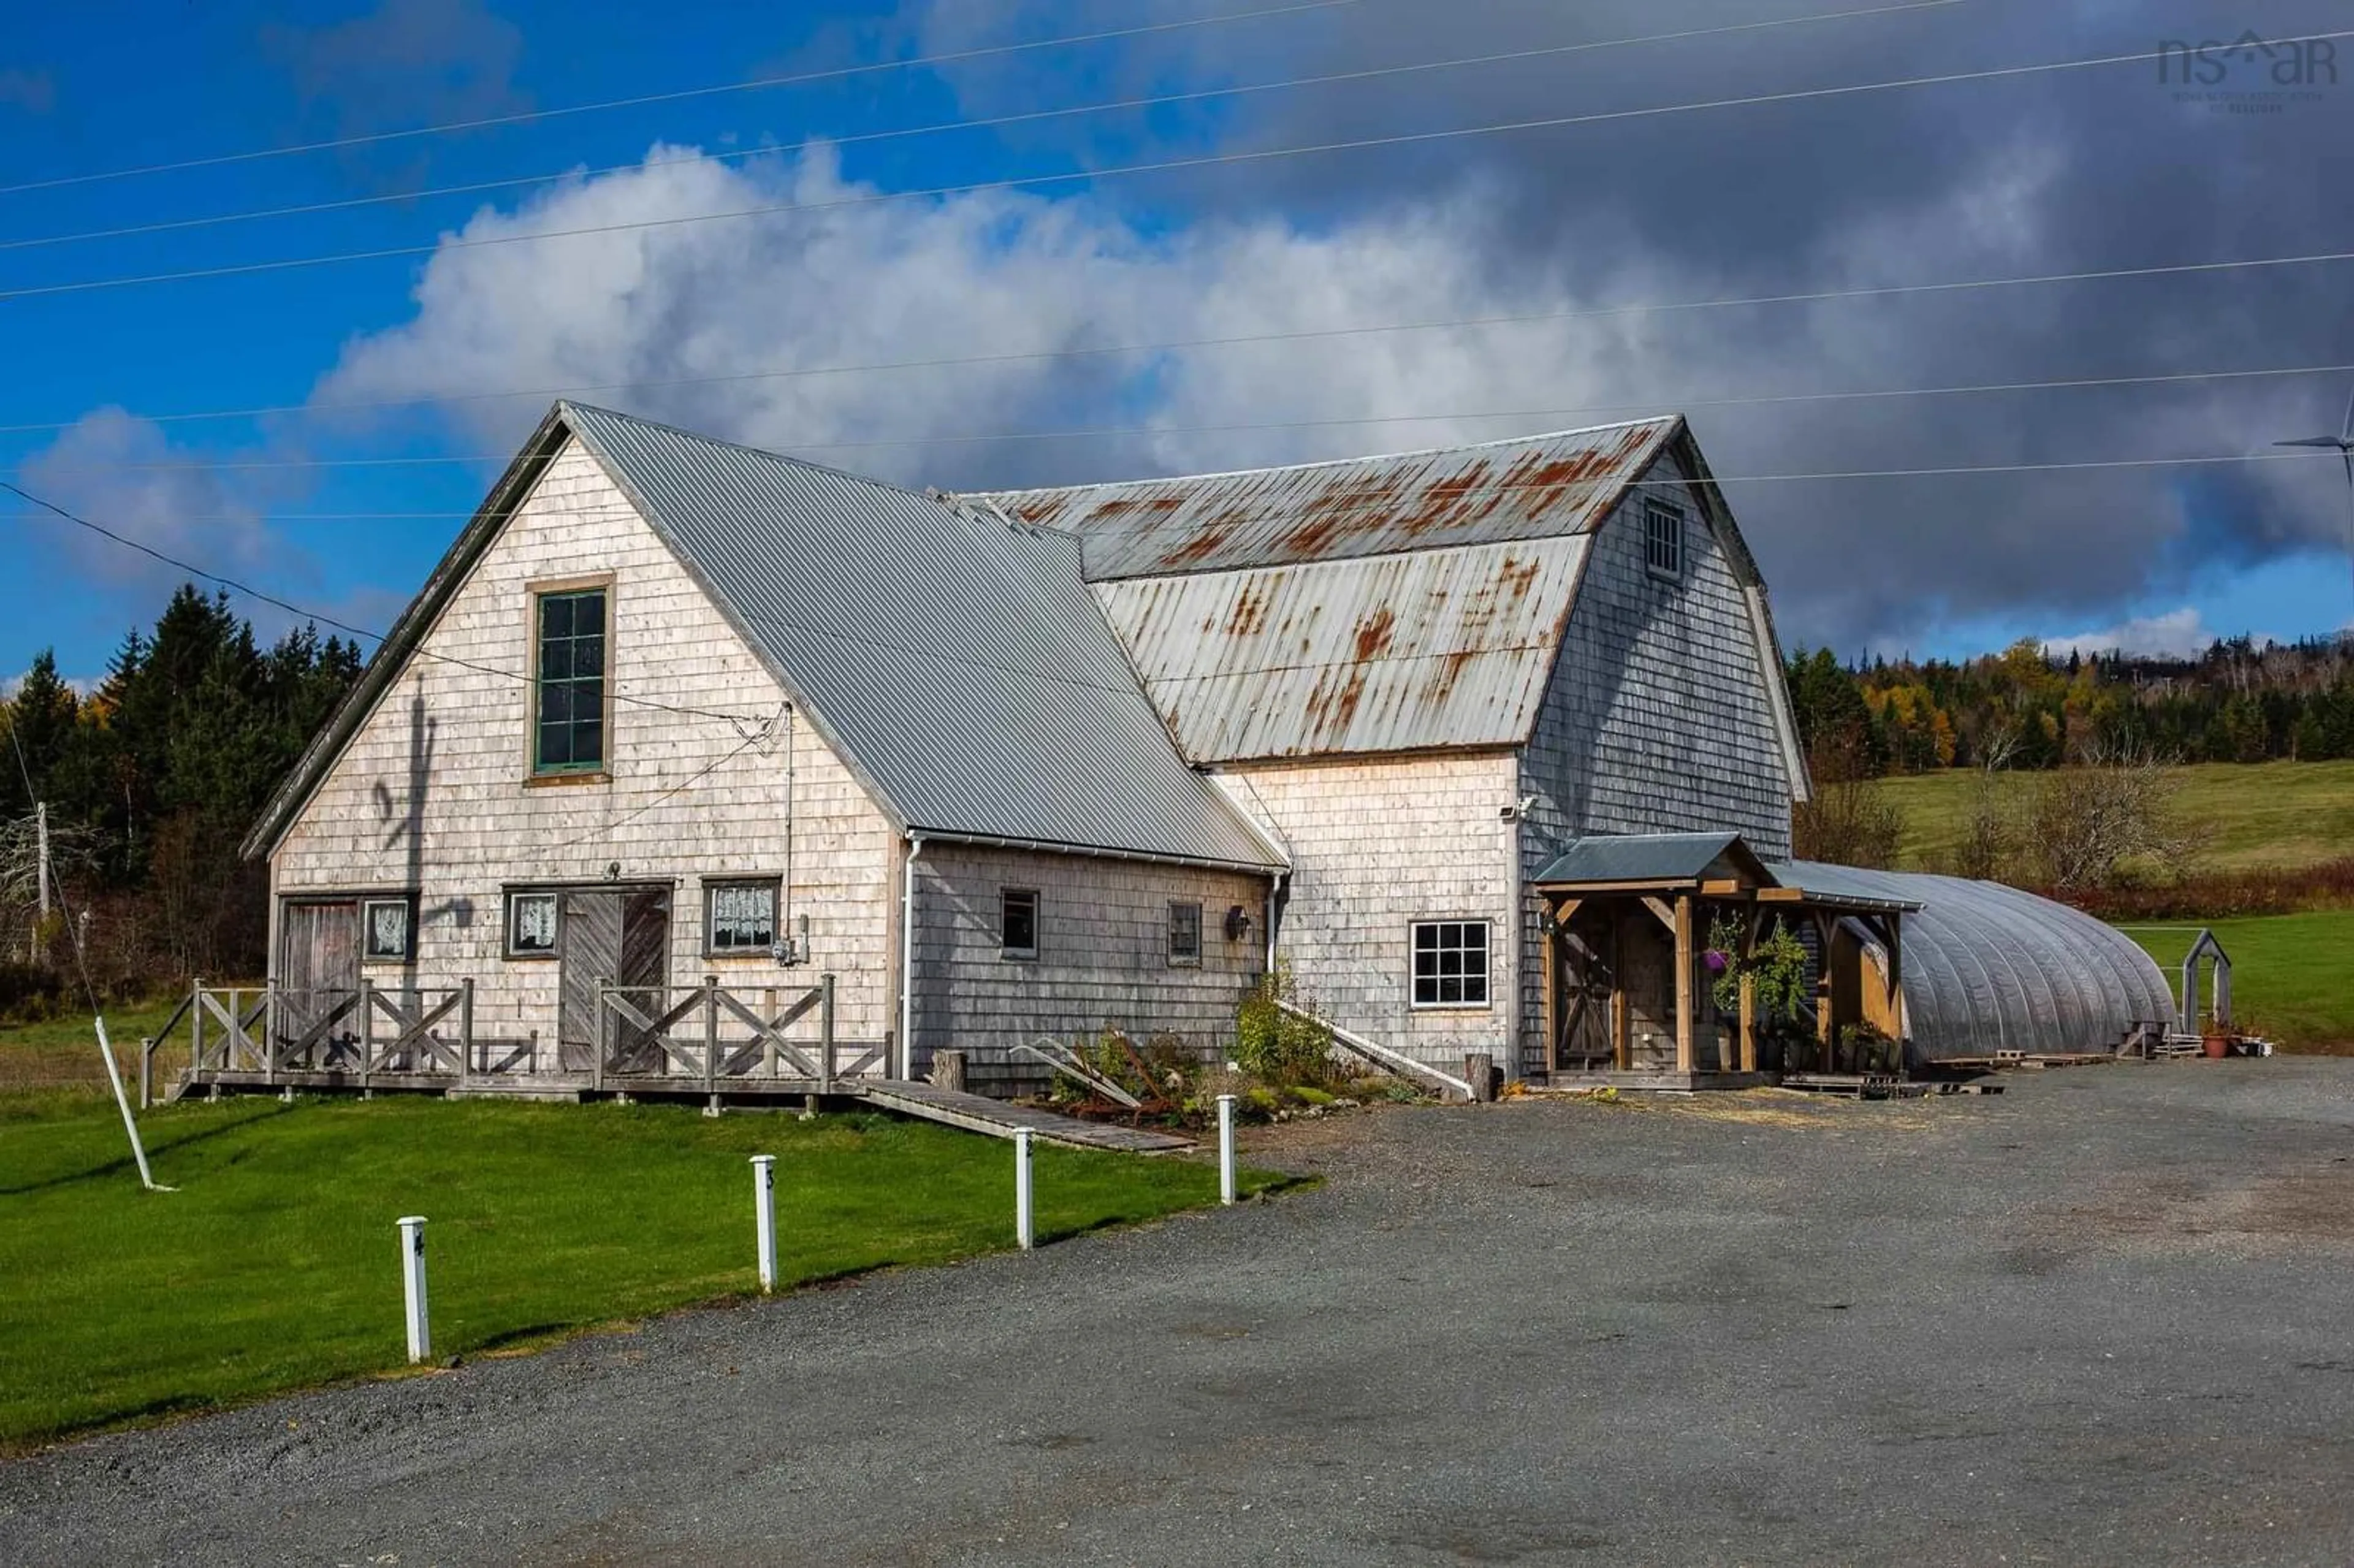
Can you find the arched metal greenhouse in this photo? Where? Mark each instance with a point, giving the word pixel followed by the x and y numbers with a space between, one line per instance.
pixel 1990 969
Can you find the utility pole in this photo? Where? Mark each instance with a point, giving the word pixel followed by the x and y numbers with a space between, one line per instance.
pixel 41 879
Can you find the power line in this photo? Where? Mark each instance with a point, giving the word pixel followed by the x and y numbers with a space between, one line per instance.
pixel 320 619
pixel 1233 339
pixel 602 510
pixel 1164 165
pixel 1650 405
pixel 994 121
pixel 234 586
pixel 678 95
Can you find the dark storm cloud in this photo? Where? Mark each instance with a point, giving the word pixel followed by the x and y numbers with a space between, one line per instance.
pixel 2072 171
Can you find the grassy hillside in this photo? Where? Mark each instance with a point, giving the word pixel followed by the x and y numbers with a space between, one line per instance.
pixel 2289 973
pixel 2258 815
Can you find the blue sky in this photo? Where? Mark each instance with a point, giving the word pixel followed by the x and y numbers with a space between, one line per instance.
pixel 715 322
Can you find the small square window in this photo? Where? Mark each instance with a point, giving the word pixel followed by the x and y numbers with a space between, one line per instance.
pixel 741 917
pixel 385 930
pixel 1450 963
pixel 1184 933
pixel 531 925
pixel 1017 922
pixel 1663 539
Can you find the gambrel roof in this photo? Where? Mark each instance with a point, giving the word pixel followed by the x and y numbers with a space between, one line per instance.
pixel 1403 603
pixel 957 665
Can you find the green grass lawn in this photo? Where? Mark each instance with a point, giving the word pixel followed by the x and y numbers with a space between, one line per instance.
pixel 62 1051
pixel 276 1264
pixel 2255 814
pixel 2292 975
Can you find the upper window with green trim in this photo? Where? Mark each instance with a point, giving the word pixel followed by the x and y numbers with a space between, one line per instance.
pixel 569 736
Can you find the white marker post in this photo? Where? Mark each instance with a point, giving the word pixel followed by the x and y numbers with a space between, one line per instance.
pixel 1225 1149
pixel 412 1284
pixel 763 1216
pixel 1023 1232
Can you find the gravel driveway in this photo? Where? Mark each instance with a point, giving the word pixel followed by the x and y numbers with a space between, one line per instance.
pixel 2106 1317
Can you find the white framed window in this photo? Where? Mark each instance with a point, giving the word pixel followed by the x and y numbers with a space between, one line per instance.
pixel 1017 922
pixel 1450 963
pixel 739 917
pixel 385 934
pixel 532 924
pixel 1184 934
pixel 1663 539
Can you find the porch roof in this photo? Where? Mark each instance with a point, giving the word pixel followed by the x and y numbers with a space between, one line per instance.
pixel 1631 863
pixel 1651 860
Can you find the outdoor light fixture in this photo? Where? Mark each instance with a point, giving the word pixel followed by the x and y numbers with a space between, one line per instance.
pixel 1238 923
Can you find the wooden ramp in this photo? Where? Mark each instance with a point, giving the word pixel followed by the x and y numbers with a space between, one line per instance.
pixel 975 1113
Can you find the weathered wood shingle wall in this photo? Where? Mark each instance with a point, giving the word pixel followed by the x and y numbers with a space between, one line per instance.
pixel 432 792
pixel 1103 957
pixel 1376 845
pixel 1659 718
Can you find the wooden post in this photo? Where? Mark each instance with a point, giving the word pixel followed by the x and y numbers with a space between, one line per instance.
pixel 196 1028
pixel 948 1070
pixel 1896 981
pixel 146 1073
pixel 595 1039
pixel 710 1035
pixel 1748 1022
pixel 1480 1072
pixel 1823 1020
pixel 768 1057
pixel 367 1031
pixel 465 1027
pixel 825 1034
pixel 1683 982
pixel 1551 937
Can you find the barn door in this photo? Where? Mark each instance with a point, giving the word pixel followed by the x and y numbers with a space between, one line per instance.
pixel 1582 990
pixel 319 977
pixel 618 936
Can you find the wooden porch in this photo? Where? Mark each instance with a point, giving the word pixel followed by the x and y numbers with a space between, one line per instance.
pixel 651 1041
pixel 1650 968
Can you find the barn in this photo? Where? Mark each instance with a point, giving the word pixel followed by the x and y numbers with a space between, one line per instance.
pixel 693 761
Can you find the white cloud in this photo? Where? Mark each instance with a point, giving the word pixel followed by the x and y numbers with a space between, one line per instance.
pixel 2175 634
pixel 693 317
pixel 970 277
pixel 123 474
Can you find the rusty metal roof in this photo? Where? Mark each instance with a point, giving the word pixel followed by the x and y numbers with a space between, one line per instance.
pixel 1528 488
pixel 1401 653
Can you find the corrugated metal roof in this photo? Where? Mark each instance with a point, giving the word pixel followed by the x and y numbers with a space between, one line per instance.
pixel 1441 648
pixel 962 665
pixel 1990 968
pixel 1528 488
pixel 1637 857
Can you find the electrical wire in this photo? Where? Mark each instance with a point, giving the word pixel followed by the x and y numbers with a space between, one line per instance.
pixel 377 138
pixel 1680 405
pixel 1032 116
pixel 1018 671
pixel 320 619
pixel 1296 334
pixel 1088 175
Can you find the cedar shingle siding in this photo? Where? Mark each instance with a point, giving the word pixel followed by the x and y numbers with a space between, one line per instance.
pixel 1634 703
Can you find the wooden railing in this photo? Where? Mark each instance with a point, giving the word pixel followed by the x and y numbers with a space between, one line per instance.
pixel 662 1035
pixel 655 1038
